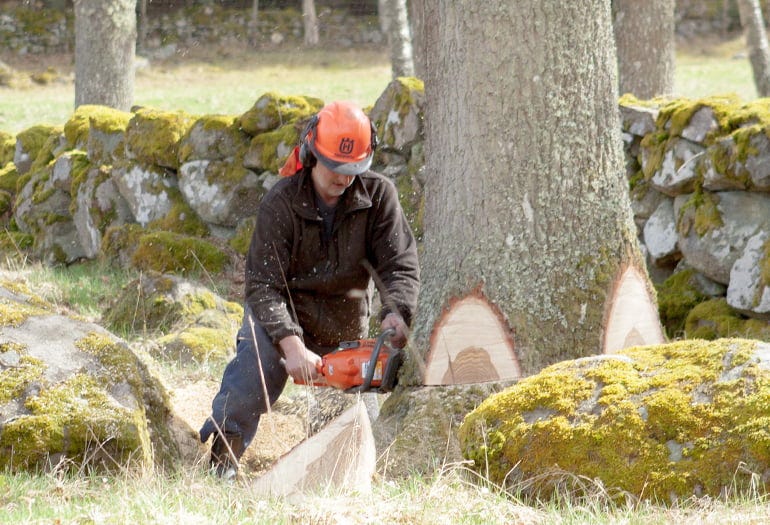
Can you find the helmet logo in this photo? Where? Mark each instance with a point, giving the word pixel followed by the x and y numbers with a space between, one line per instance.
pixel 346 145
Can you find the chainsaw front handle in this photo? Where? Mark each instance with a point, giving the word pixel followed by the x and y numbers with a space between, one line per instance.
pixel 367 384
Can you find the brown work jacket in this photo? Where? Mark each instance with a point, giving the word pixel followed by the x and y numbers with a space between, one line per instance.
pixel 299 284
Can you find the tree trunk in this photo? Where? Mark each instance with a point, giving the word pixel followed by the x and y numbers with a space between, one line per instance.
pixel 141 39
pixel 417 23
pixel 254 24
pixel 756 39
pixel 105 47
pixel 530 250
pixel 644 36
pixel 399 39
pixel 383 16
pixel 310 21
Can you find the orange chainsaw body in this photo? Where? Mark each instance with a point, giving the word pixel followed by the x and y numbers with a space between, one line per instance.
pixel 347 368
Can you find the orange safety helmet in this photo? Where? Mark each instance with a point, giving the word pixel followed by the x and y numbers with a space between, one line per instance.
pixel 341 137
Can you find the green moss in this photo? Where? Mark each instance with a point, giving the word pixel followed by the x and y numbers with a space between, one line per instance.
pixel 9 177
pixel 7 148
pixel 677 295
pixel 180 219
pixel 402 95
pixel 272 110
pixel 103 118
pixel 13 313
pixel 151 303
pixel 701 213
pixel 14 242
pixel 714 319
pixel 242 239
pixel 120 241
pixel 199 344
pixel 176 253
pixel 33 139
pixel 75 418
pixel 227 129
pixel 665 423
pixel 15 380
pixel 267 144
pixel 152 136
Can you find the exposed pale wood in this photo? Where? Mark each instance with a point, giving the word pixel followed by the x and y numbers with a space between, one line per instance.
pixel 340 457
pixel 471 344
pixel 633 318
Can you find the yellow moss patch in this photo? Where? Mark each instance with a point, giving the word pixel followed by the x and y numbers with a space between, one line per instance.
pixel 272 110
pixel 199 344
pixel 152 136
pixel 74 418
pixel 660 422
pixel 106 119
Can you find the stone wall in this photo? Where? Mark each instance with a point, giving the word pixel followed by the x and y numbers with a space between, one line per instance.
pixel 26 31
pixel 166 191
pixel 699 173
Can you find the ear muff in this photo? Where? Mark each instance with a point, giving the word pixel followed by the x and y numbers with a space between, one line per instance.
pixel 306 156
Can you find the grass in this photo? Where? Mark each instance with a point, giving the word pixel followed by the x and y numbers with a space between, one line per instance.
pixel 204 85
pixel 229 84
pixel 191 498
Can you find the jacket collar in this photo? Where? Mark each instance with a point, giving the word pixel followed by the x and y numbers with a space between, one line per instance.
pixel 356 197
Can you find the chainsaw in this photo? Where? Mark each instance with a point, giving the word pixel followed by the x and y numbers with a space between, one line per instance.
pixel 365 365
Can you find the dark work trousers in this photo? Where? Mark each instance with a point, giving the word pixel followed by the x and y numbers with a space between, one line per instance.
pixel 241 398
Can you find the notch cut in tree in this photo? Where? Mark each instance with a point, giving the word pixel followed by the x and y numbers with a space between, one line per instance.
pixel 471 343
pixel 342 456
pixel 632 316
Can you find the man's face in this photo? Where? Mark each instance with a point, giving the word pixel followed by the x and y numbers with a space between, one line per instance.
pixel 329 185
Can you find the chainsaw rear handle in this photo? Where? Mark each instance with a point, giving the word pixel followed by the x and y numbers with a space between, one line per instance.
pixel 367 384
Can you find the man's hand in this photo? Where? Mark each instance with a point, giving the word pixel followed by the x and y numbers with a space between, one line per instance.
pixel 395 321
pixel 301 363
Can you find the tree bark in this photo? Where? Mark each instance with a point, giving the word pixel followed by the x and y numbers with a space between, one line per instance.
pixel 417 23
pixel 399 39
pixel 644 36
pixel 105 47
pixel 527 209
pixel 310 21
pixel 383 16
pixel 756 39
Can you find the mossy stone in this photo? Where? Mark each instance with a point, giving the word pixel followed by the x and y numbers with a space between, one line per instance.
pixel 106 119
pixel 272 110
pixel 677 296
pixel 162 251
pixel 7 148
pixel 198 344
pixel 660 422
pixel 714 319
pixel 9 177
pixel 152 136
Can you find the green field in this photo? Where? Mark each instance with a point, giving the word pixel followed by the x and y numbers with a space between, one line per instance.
pixel 230 85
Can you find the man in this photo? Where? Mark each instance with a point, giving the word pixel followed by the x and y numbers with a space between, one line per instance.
pixel 319 232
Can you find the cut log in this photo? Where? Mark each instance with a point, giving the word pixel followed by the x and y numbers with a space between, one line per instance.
pixel 340 457
pixel 471 343
pixel 632 317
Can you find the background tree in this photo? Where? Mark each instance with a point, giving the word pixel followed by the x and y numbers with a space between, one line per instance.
pixel 416 23
pixel 310 21
pixel 644 36
pixel 756 39
pixel 399 38
pixel 105 47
